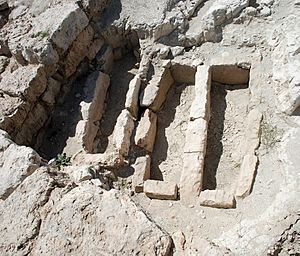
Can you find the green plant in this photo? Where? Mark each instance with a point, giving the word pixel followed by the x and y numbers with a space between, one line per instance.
pixel 62 160
pixel 42 34
pixel 270 135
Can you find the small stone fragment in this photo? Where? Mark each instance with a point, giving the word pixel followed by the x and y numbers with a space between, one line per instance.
pixel 141 172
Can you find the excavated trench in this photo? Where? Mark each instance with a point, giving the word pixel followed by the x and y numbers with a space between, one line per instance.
pixel 63 132
pixel 167 157
pixel 228 114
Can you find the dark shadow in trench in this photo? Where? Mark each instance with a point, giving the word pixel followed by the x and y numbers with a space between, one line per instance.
pixel 214 148
pixel 116 97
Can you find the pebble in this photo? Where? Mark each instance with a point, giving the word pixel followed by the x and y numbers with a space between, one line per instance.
pixel 77 95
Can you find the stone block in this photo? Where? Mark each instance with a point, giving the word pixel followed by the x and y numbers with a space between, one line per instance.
pixel 230 74
pixel 122 132
pixel 61 23
pixel 132 96
pixel 246 176
pixel 196 136
pixel 146 131
pixel 201 103
pixel 154 95
pixel 157 189
pixel 217 199
pixel 26 81
pixel 191 177
pixel 94 48
pixel 95 89
pixel 105 59
pixel 252 131
pixel 141 172
pixel 35 120
pixel 183 73
pixel 78 50
pixel 16 164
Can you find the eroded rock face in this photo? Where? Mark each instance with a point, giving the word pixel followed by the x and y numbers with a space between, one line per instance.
pixel 16 164
pixel 47 216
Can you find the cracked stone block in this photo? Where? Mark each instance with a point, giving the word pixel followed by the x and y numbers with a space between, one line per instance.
pixel 191 176
pixel 26 81
pixel 217 199
pixel 196 136
pixel 201 103
pixel 156 91
pixel 122 132
pixel 35 120
pixel 157 189
pixel 132 96
pixel 146 131
pixel 78 50
pixel 141 172
pixel 246 176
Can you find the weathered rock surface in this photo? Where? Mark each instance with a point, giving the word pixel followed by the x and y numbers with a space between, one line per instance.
pixel 47 216
pixel 16 164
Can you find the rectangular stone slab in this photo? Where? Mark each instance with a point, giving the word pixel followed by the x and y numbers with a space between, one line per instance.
pixel 217 199
pixel 157 189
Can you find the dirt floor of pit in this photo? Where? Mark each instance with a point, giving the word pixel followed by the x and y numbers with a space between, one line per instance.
pixel 167 162
pixel 121 75
pixel 229 109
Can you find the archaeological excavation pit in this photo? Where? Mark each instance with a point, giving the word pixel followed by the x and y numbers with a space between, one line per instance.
pixel 229 101
pixel 84 118
pixel 172 119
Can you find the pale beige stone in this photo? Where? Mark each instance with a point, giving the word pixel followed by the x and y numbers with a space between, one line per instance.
pixel 16 164
pixel 35 120
pixel 141 172
pixel 156 91
pixel 26 81
pixel 201 103
pixel 78 50
pixel 196 136
pixel 62 23
pixel 132 96
pixel 183 73
pixel 217 199
pixel 79 173
pixel 246 176
pixel 146 131
pixel 13 112
pixel 92 107
pixel 108 159
pixel 53 89
pixel 252 131
pixel 157 189
pixel 230 74
pixel 122 132
pixel 191 177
